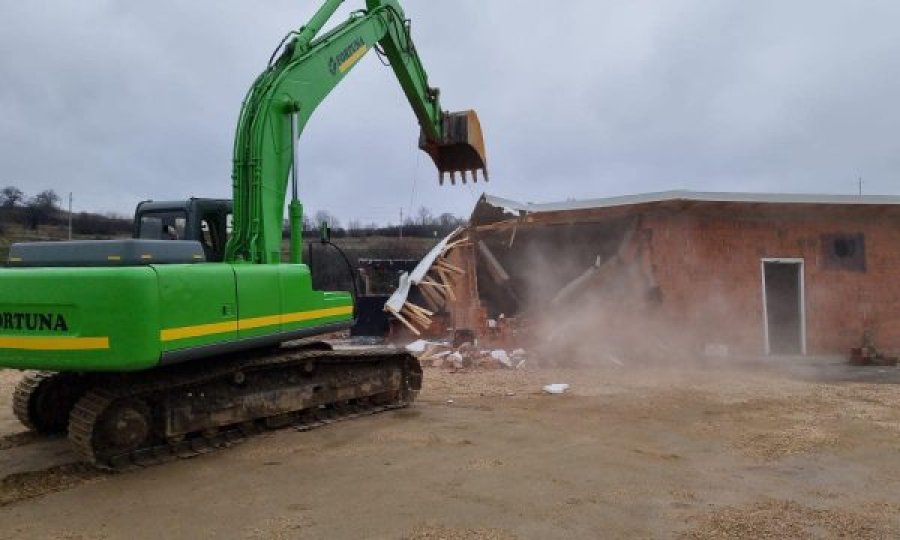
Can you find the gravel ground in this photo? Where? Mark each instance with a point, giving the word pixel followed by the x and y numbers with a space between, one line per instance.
pixel 627 452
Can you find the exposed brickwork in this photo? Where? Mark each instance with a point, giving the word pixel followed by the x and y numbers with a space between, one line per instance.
pixel 706 259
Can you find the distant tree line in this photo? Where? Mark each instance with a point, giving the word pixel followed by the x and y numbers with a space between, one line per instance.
pixel 42 209
pixel 422 224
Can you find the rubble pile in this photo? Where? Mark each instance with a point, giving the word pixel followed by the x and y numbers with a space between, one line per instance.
pixel 440 354
pixel 870 355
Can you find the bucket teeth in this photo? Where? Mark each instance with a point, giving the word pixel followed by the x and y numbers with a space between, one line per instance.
pixel 464 176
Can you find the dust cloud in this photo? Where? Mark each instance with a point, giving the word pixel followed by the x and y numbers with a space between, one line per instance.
pixel 614 313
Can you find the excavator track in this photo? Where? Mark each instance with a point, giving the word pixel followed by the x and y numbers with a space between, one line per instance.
pixel 135 420
pixel 23 394
pixel 42 400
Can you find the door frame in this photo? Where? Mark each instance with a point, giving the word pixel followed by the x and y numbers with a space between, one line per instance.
pixel 784 260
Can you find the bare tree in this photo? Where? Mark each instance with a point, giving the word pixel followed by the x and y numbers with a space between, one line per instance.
pixel 41 207
pixel 448 220
pixel 11 196
pixel 46 200
pixel 424 216
pixel 323 216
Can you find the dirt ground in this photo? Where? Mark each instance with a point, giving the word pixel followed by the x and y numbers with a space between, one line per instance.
pixel 626 453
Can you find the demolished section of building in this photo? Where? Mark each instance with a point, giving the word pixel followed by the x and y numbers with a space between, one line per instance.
pixel 655 275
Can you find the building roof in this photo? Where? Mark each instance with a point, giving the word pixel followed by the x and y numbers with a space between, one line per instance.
pixel 692 196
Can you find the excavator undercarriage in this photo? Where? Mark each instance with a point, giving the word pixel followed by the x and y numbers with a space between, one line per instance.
pixel 122 420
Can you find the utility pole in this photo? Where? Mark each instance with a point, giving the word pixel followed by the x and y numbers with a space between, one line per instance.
pixel 70 215
pixel 401 223
pixel 860 186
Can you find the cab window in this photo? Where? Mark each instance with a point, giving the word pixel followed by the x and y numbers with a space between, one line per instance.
pixel 163 225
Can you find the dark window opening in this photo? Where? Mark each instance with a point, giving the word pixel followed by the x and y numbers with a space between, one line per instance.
pixel 213 235
pixel 844 252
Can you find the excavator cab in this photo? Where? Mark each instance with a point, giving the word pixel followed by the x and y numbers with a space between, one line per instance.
pixel 461 150
pixel 202 220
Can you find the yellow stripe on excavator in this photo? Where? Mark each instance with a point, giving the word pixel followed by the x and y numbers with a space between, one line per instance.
pixel 352 59
pixel 33 343
pixel 200 330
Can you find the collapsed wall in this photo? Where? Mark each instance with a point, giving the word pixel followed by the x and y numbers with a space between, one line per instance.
pixel 572 290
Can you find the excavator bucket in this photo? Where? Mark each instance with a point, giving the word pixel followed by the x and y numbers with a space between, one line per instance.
pixel 462 149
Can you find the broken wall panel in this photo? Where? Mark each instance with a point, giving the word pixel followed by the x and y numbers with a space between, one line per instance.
pixel 539 259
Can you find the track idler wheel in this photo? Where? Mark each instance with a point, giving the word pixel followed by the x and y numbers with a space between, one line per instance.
pixel 43 400
pixel 123 427
pixel 104 427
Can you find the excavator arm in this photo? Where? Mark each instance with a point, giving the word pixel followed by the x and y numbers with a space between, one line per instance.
pixel 285 95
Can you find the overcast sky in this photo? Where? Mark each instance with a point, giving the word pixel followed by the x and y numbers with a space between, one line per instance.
pixel 121 101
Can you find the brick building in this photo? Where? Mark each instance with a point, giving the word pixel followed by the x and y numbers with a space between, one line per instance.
pixel 723 273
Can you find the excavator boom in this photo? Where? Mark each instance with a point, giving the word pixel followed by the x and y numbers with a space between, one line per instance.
pixel 286 94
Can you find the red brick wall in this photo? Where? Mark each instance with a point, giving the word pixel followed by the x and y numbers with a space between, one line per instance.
pixel 706 260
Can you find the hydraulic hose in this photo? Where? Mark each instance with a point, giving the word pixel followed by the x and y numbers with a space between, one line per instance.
pixel 350 271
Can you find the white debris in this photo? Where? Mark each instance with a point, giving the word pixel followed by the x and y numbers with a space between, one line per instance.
pixel 518 357
pixel 501 356
pixel 556 388
pixel 417 346
pixel 456 359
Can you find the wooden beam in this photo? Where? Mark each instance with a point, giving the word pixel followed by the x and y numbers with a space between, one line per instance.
pixel 456 243
pixel 419 309
pixel 421 320
pixel 447 283
pixel 431 283
pixel 429 298
pixel 441 263
pixel 406 323
pixel 432 295
pixel 495 269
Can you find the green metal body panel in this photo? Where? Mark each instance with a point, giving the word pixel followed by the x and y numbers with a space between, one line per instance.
pixel 111 318
pixel 191 297
pixel 126 319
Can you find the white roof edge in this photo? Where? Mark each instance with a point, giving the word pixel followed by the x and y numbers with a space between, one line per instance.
pixel 699 196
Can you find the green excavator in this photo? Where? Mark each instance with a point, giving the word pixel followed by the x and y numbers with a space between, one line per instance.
pixel 188 336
